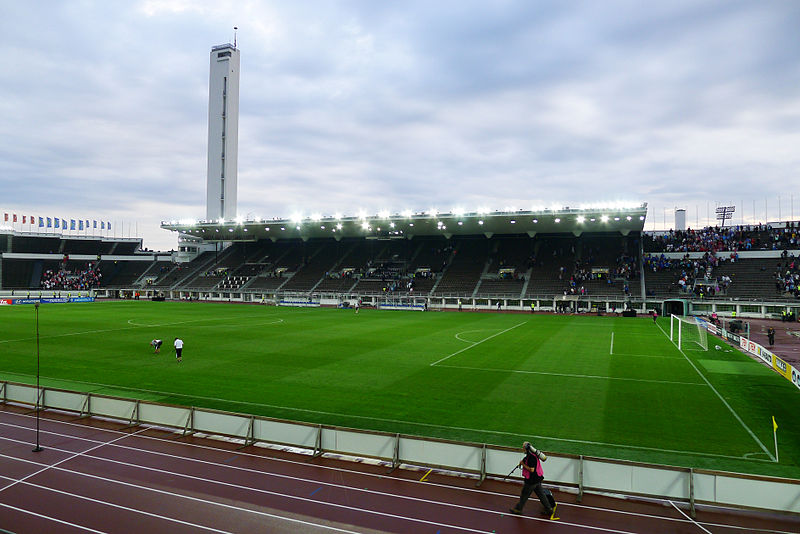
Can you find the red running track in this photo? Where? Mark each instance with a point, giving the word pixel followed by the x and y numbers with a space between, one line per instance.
pixel 100 476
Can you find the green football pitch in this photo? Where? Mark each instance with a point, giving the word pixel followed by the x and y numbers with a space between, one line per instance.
pixel 598 386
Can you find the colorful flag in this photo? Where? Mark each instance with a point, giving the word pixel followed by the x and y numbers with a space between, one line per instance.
pixel 80 224
pixel 95 224
pixel 57 219
pixel 41 222
pixel 15 217
pixel 774 424
pixel 24 218
pixel 5 217
pixel 49 221
pixel 108 225
pixel 102 225
pixel 72 224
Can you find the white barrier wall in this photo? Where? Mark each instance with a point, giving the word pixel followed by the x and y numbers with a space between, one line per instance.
pixel 586 474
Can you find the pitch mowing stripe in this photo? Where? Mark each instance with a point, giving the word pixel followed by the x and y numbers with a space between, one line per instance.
pixel 475 344
pixel 414 423
pixel 135 326
pixel 569 375
pixel 733 412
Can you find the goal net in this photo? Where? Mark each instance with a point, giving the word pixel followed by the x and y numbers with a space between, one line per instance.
pixel 687 333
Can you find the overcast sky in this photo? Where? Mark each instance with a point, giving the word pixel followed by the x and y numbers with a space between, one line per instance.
pixel 369 105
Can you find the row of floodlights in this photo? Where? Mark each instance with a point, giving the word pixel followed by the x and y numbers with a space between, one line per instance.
pixel 580 219
pixel 433 212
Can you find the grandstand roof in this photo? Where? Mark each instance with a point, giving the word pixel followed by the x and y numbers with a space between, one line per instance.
pixel 398 226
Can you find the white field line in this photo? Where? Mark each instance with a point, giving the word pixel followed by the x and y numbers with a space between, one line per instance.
pixel 611 350
pixel 485 431
pixel 193 459
pixel 457 336
pixel 569 375
pixel 477 343
pixel 647 356
pixel 136 326
pixel 721 398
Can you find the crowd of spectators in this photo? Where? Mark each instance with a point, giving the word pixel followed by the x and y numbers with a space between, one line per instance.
pixel 787 275
pixel 71 280
pixel 733 238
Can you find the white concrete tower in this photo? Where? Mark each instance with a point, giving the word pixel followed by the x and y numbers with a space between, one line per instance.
pixel 223 133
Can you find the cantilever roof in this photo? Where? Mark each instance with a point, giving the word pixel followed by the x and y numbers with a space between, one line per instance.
pixel 399 226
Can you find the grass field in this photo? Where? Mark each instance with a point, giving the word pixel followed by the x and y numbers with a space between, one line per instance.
pixel 559 381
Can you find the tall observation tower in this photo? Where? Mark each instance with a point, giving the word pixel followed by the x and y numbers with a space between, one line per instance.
pixel 223 132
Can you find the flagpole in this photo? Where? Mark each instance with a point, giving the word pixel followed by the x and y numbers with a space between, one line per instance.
pixel 775 435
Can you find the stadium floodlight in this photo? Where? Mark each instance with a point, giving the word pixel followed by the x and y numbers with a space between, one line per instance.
pixel 391 225
pixel 316 217
pixel 458 212
pixel 604 218
pixel 411 224
pixel 557 220
pixel 296 218
pixel 221 220
pixel 535 221
pixel 365 225
pixel 283 228
pixel 433 211
pixel 616 218
pixel 460 223
pixel 628 218
pixel 581 219
pixel 322 227
pixel 641 217
pixel 407 213
pixel 480 222
pixel 239 220
pixel 383 214
pixel 512 221
pixel 266 228
pixel 339 226
pixel 337 216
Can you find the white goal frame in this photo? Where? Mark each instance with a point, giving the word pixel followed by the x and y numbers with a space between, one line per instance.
pixel 684 330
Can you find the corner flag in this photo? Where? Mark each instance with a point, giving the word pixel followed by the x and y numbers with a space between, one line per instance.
pixel 774 424
pixel 775 435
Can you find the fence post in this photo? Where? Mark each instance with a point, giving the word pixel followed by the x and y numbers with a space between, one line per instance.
pixel 483 466
pixel 580 480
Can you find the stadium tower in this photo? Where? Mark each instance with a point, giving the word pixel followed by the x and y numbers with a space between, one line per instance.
pixel 223 133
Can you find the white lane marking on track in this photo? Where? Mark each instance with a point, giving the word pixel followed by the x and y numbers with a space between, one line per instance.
pixel 248 488
pixel 42 516
pixel 315 480
pixel 701 527
pixel 303 463
pixel 569 375
pixel 721 398
pixel 477 343
pixel 113 505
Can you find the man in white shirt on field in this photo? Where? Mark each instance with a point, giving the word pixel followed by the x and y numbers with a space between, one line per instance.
pixel 178 348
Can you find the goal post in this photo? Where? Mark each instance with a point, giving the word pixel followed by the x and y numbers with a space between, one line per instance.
pixel 687 332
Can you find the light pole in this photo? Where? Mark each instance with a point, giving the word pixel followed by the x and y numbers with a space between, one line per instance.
pixel 38 394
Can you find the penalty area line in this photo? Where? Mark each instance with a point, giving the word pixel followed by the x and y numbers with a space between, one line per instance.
pixel 721 398
pixel 477 343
